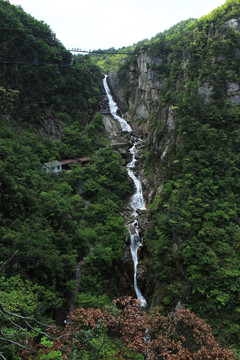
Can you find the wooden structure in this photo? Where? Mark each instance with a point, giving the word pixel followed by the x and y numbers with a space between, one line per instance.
pixel 82 161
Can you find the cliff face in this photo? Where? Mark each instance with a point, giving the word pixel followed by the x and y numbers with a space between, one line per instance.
pixel 183 96
pixel 145 82
pixel 155 78
pixel 145 85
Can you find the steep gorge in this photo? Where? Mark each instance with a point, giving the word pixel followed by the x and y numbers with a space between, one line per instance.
pixel 117 128
pixel 182 94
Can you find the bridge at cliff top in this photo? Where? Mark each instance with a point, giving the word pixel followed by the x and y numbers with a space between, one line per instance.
pixel 100 52
pixel 81 52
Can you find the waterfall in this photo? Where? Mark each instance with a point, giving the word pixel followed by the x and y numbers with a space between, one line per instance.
pixel 137 203
pixel 114 108
pixel 137 200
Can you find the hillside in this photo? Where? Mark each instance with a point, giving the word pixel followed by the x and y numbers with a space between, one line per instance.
pixel 49 102
pixel 52 89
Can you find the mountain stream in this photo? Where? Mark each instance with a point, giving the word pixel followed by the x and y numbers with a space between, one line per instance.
pixel 137 201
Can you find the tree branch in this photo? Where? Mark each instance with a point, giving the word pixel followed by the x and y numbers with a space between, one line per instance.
pixel 8 261
pixel 26 320
pixel 15 343
pixel 43 333
pixel 22 317
pixel 12 322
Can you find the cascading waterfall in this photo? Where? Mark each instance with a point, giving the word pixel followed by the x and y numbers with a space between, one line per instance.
pixel 114 108
pixel 137 203
pixel 137 200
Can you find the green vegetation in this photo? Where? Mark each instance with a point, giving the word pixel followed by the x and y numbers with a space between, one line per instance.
pixel 109 59
pixel 49 84
pixel 49 221
pixel 53 227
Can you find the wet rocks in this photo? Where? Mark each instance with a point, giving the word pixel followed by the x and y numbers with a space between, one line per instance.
pixel 111 125
pixel 115 88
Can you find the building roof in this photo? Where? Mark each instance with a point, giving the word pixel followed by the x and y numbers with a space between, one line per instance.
pixel 52 164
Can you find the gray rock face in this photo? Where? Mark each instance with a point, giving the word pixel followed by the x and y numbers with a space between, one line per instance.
pixel 143 222
pixel 146 83
pixel 232 89
pixel 51 128
pixel 232 23
pixel 111 125
pixel 118 141
pixel 148 79
pixel 206 91
pixel 142 274
pixel 169 116
pixel 233 92
pixel 142 111
pixel 115 88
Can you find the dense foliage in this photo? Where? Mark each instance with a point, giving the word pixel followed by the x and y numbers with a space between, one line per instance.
pixel 52 226
pixel 193 237
pixel 50 85
pixel 111 59
pixel 51 222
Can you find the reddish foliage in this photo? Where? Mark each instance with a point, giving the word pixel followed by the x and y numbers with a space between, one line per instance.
pixel 131 323
pixel 184 337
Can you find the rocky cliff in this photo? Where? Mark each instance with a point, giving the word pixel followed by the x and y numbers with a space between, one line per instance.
pixel 147 90
pixel 145 82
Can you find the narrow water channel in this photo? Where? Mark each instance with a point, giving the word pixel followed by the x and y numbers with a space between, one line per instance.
pixel 137 201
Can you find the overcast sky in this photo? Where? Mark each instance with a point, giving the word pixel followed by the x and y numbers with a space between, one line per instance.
pixel 101 24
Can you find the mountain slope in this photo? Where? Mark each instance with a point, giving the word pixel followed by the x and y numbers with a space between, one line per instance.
pixel 50 222
pixel 183 91
pixel 52 89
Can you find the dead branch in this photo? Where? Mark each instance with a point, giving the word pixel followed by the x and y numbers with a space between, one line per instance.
pixel 15 343
pixel 12 322
pixel 22 317
pixel 26 320
pixel 43 333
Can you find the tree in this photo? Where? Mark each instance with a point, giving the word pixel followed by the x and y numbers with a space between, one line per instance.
pixel 183 336
pixel 19 304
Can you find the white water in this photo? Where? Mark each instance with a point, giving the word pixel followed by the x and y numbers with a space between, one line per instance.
pixel 137 200
pixel 137 203
pixel 114 108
